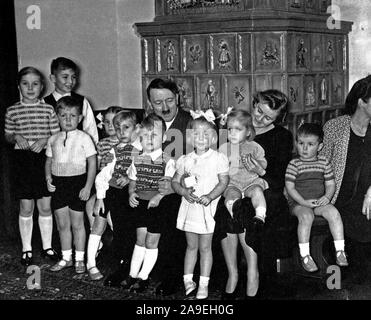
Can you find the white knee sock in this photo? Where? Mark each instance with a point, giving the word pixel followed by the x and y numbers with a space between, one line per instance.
pixel 67 255
pixel 149 262
pixel 93 245
pixel 46 230
pixel 137 260
pixel 304 249
pixel 25 229
pixel 261 212
pixel 339 245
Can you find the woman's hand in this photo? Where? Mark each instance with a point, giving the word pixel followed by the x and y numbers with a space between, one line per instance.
pixel 133 200
pixel 38 145
pixel 99 206
pixel 366 207
pixel 189 196
pixel 21 142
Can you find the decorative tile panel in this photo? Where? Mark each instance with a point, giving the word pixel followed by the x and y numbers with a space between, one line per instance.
pixel 238 92
pixel 222 53
pixel 268 51
pixel 168 55
pixel 195 53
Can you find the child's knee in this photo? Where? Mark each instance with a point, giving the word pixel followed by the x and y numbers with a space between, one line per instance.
pixel 305 217
pixel 205 248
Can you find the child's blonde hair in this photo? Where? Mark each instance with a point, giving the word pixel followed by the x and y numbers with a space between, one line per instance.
pixel 32 70
pixel 243 117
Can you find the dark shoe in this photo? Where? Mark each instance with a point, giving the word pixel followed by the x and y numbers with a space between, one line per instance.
pixel 26 259
pixel 166 288
pixel 258 296
pixel 128 282
pixel 115 278
pixel 229 296
pixel 139 286
pixel 50 253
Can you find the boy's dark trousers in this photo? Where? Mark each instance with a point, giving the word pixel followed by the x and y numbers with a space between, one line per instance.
pixel 124 233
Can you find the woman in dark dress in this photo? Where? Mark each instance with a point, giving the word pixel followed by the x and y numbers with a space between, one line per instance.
pixel 347 144
pixel 269 108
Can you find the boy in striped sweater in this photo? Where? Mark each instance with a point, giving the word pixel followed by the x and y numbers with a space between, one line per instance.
pixel 28 125
pixel 310 185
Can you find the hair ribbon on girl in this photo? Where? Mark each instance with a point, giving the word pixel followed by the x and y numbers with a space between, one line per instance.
pixel 208 115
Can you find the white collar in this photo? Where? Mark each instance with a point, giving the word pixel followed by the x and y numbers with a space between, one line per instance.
pixel 168 124
pixel 154 154
pixel 204 155
pixel 57 95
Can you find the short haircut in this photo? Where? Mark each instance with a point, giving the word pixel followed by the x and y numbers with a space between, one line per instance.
pixel 159 83
pixel 112 109
pixel 62 63
pixel 310 129
pixel 124 115
pixel 149 122
pixel 243 117
pixel 32 70
pixel 69 102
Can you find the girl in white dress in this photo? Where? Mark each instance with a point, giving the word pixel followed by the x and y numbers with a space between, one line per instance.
pixel 205 174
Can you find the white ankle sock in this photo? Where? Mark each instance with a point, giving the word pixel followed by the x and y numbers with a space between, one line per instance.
pixel 25 229
pixel 79 255
pixel 93 245
pixel 67 255
pixel 137 260
pixel 204 281
pixel 304 249
pixel 188 277
pixel 261 212
pixel 339 245
pixel 46 230
pixel 149 262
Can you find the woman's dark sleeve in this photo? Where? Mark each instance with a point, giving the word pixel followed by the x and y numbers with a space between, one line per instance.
pixel 278 158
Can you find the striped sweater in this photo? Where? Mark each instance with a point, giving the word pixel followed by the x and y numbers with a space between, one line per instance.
pixel 31 121
pixel 309 176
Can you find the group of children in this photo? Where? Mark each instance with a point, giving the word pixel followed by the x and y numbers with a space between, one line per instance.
pixel 130 163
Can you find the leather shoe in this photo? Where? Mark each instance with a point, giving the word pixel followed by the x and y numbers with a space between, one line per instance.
pixel 139 286
pixel 26 259
pixel 115 278
pixel 50 253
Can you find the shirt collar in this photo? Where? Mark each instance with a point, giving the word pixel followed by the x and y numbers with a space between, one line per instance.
pixel 57 95
pixel 154 154
pixel 204 155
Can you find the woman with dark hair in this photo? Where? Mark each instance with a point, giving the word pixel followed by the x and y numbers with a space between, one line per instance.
pixel 347 145
pixel 268 110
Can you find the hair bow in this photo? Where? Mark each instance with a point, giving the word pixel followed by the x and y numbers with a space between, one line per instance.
pixel 208 115
pixel 224 116
pixel 100 117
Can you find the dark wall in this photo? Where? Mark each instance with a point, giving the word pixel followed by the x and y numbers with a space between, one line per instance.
pixel 8 95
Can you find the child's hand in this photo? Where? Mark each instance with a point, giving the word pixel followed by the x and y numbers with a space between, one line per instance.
pixel 50 186
pixel 107 158
pixel 164 186
pixel 252 165
pixel 189 196
pixel 38 145
pixel 133 202
pixel 21 142
pixel 122 181
pixel 312 203
pixel 323 201
pixel 204 200
pixel 84 194
pixel 155 201
pixel 99 206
